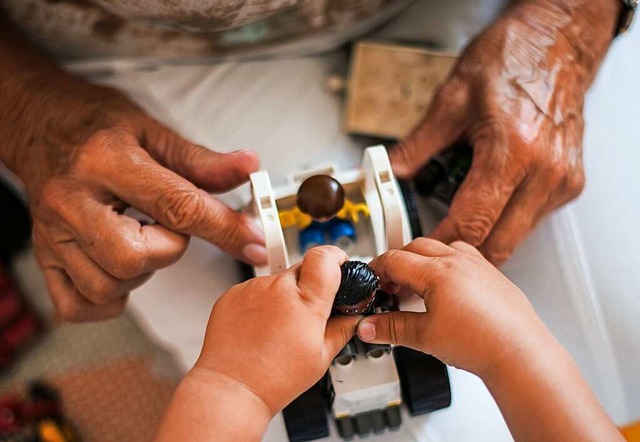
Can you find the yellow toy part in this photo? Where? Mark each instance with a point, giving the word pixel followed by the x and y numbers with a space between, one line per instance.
pixel 294 217
pixel 50 431
pixel 631 432
pixel 352 211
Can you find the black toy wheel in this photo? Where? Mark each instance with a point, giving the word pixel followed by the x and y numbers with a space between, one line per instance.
pixel 306 417
pixel 424 381
pixel 441 177
pixel 246 271
pixel 15 223
pixel 412 209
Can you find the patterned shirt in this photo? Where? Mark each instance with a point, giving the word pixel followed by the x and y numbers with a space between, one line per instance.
pixel 194 29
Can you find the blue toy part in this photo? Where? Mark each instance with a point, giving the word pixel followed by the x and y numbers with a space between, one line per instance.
pixel 311 236
pixel 340 232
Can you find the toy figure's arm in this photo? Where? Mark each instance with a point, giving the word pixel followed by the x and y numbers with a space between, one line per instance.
pixel 477 320
pixel 294 217
pixel 352 211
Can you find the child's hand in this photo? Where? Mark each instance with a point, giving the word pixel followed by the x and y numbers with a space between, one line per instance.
pixel 273 336
pixel 475 316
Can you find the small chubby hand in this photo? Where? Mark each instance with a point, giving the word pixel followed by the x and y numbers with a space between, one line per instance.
pixel 274 335
pixel 475 317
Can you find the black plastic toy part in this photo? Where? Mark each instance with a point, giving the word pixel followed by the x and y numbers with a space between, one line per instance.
pixel 15 223
pixel 443 175
pixel 424 381
pixel 358 286
pixel 363 424
pixel 306 417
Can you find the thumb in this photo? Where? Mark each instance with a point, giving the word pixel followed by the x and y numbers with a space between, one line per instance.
pixel 401 328
pixel 339 331
pixel 442 126
pixel 209 170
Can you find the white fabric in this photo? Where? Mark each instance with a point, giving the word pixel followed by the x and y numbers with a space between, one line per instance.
pixel 579 268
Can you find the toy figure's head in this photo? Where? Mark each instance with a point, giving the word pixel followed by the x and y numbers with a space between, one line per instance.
pixel 358 286
pixel 320 197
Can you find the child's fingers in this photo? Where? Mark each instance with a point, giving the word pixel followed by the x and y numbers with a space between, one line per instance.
pixel 319 274
pixel 401 328
pixel 407 269
pixel 340 329
pixel 464 247
pixel 428 247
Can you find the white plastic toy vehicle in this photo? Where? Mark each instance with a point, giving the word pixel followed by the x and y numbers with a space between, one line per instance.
pixel 366 384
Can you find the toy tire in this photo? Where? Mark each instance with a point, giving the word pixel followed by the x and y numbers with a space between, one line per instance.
pixel 346 428
pixel 424 381
pixel 15 223
pixel 306 417
pixel 412 209
pixel 364 424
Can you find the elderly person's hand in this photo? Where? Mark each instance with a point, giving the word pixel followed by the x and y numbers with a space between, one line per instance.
pixel 85 154
pixel 516 95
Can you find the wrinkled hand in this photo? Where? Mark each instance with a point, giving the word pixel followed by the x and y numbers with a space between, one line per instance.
pixel 273 334
pixel 97 155
pixel 473 323
pixel 517 96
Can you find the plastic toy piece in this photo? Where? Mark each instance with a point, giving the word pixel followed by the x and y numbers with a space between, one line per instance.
pixel 363 386
pixel 15 223
pixel 390 87
pixel 357 290
pixel 305 418
pixel 323 212
pixel 424 381
pixel 267 212
pixel 395 221
pixel 295 217
pixel 444 174
pixel 320 197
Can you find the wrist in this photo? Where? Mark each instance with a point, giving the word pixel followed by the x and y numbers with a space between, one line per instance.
pixel 576 32
pixel 535 345
pixel 210 381
pixel 209 405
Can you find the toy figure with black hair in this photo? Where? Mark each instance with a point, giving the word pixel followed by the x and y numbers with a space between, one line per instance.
pixel 357 291
pixel 323 214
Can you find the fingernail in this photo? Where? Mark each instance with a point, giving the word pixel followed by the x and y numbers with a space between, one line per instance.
pixel 255 254
pixel 258 234
pixel 366 331
pixel 242 152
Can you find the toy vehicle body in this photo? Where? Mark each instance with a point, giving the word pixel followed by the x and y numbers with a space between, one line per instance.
pixel 366 384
